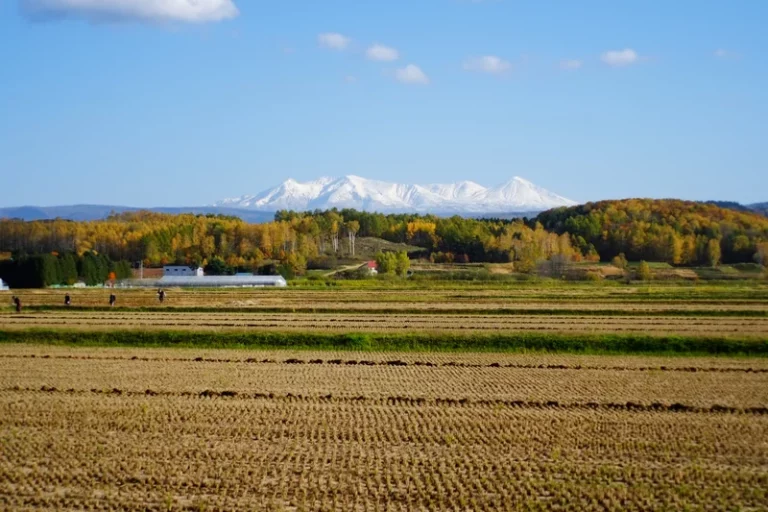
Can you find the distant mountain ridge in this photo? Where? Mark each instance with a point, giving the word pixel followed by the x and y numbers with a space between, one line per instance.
pixel 761 208
pixel 86 212
pixel 464 197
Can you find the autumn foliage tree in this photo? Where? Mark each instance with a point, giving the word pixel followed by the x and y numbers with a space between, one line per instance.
pixel 676 232
pixel 644 271
pixel 672 231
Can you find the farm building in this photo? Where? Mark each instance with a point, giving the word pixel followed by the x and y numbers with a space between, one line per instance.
pixel 182 270
pixel 242 281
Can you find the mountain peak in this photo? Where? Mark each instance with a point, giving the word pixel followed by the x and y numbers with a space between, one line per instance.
pixel 351 191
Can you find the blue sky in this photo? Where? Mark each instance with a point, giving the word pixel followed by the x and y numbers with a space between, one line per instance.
pixel 150 103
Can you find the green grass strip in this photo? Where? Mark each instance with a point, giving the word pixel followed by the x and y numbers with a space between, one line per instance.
pixel 546 342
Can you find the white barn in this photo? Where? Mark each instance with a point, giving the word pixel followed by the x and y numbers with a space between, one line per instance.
pixel 182 271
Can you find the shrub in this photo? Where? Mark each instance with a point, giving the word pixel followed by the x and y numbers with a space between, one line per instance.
pixel 620 261
pixel 322 263
pixel 593 276
pixel 644 271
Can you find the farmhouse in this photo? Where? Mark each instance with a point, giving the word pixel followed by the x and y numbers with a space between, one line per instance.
pixel 182 270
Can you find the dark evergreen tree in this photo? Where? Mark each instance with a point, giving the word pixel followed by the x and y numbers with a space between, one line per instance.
pixel 68 267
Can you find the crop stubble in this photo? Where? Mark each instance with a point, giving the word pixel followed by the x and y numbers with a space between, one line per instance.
pixel 271 430
pixel 403 322
pixel 202 429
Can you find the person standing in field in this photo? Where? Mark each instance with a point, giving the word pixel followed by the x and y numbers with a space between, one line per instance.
pixel 67 300
pixel 17 302
pixel 161 295
pixel 112 299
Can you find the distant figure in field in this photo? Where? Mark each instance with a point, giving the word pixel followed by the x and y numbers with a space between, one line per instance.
pixel 67 300
pixel 112 299
pixel 161 295
pixel 17 302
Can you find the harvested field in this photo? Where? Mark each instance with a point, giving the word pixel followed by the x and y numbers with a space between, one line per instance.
pixel 754 297
pixel 187 429
pixel 504 379
pixel 427 399
pixel 401 322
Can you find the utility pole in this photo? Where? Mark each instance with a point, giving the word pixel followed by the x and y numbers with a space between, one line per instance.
pixel 141 269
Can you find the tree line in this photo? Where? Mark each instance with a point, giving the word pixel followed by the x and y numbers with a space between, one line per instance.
pixel 672 231
pixel 41 270
pixel 291 240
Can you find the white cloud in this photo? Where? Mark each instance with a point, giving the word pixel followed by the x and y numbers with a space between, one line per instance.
pixel 487 64
pixel 382 53
pixel 334 41
pixel 618 58
pixel 721 53
pixel 411 74
pixel 571 64
pixel 189 11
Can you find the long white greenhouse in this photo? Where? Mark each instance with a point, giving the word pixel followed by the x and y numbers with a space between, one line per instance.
pixel 242 281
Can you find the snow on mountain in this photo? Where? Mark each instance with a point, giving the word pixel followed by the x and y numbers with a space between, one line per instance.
pixel 523 192
pixel 517 195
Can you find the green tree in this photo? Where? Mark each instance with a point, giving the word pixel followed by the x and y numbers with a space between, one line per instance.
pixel 89 269
pixel 122 269
pixel 217 267
pixel 386 262
pixel 51 270
pixel 68 269
pixel 644 271
pixel 402 263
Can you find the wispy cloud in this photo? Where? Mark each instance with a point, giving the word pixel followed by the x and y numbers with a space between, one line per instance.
pixel 487 64
pixel 722 53
pixel 411 74
pixel 334 41
pixel 382 53
pixel 618 58
pixel 571 64
pixel 188 11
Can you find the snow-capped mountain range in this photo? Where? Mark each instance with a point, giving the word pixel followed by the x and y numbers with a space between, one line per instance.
pixel 516 195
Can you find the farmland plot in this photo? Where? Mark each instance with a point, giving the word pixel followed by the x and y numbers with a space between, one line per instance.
pixel 399 322
pixel 144 429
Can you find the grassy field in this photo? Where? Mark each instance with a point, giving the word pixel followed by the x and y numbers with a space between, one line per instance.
pixel 396 397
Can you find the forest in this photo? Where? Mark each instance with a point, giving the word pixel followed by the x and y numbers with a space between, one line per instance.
pixel 672 231
pixel 41 270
